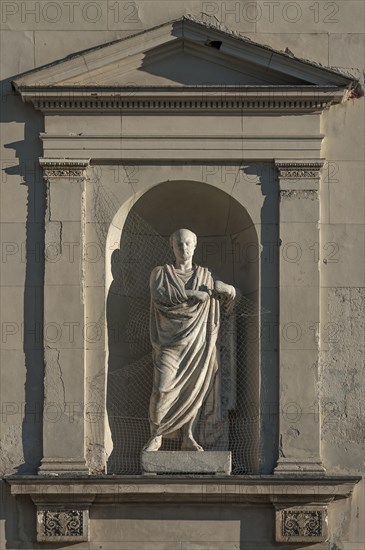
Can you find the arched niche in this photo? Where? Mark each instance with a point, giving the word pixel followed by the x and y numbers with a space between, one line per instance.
pixel 228 245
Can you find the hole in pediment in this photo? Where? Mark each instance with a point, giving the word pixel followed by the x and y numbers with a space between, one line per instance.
pixel 214 44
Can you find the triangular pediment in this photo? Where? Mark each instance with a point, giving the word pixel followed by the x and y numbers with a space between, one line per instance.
pixel 181 62
pixel 171 62
pixel 185 52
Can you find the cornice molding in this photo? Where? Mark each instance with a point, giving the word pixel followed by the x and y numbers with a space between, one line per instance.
pixel 63 168
pixel 191 137
pixel 278 489
pixel 222 102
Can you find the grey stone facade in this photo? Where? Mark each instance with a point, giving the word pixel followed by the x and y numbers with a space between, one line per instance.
pixel 271 140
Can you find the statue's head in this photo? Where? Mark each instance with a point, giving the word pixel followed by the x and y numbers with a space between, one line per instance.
pixel 183 242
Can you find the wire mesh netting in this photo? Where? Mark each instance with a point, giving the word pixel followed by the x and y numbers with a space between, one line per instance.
pixel 130 373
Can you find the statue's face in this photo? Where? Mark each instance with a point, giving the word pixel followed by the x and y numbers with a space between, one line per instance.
pixel 184 244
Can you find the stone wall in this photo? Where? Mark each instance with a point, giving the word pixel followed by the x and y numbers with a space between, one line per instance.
pixel 38 32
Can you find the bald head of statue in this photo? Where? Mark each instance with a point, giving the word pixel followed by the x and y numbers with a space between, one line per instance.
pixel 183 242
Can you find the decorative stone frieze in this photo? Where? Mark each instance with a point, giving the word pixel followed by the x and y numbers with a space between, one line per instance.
pixel 301 524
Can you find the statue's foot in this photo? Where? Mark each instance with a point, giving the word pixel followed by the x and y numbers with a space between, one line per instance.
pixel 153 444
pixel 189 444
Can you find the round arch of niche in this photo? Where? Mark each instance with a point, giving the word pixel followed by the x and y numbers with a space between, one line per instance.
pixel 228 246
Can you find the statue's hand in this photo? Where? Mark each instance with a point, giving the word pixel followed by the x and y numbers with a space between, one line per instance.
pixel 199 295
pixel 227 290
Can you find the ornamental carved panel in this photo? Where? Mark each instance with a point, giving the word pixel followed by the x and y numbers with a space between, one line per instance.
pixel 62 524
pixel 301 524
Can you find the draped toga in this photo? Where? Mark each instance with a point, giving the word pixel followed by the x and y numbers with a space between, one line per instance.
pixel 183 335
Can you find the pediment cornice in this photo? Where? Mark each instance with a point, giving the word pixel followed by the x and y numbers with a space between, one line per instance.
pixel 186 99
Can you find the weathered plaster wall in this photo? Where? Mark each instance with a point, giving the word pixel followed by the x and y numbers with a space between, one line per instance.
pixel 342 313
pixel 38 32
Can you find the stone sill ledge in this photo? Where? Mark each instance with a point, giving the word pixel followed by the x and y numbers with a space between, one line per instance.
pixel 104 489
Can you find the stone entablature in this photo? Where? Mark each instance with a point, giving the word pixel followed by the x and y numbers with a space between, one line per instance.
pixel 299 503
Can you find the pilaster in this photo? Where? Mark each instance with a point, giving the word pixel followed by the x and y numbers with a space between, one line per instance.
pixel 299 422
pixel 64 314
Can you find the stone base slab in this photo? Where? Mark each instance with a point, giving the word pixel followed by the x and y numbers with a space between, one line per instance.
pixel 186 462
pixel 290 466
pixel 62 466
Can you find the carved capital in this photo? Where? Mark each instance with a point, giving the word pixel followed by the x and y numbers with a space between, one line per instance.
pixel 301 524
pixel 63 168
pixel 299 170
pixel 62 524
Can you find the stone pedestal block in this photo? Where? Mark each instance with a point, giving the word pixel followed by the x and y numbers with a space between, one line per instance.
pixel 186 462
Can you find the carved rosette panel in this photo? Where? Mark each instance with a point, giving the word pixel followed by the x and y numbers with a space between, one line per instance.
pixel 66 524
pixel 304 524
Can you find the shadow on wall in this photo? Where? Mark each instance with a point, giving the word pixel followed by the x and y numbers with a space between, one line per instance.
pixel 266 176
pixel 21 168
pixel 224 229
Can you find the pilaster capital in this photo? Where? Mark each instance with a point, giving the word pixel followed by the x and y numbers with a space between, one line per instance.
pixel 299 179
pixel 64 167
pixel 299 170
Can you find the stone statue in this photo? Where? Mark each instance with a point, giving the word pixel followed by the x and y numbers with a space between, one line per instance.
pixel 184 324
